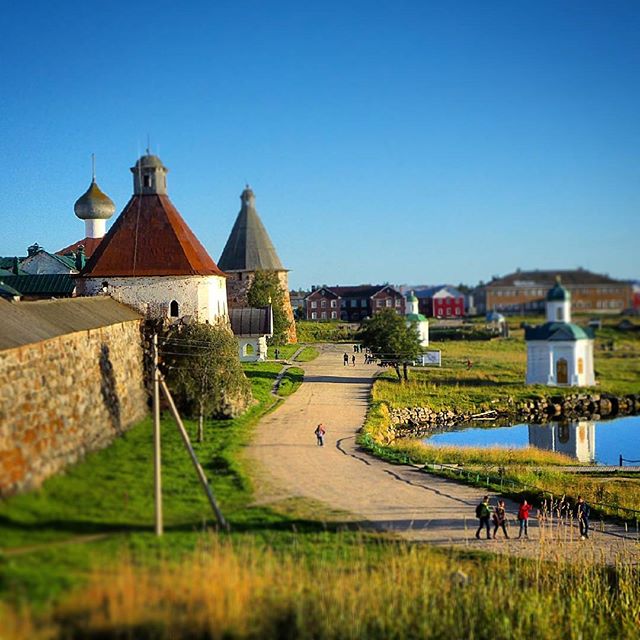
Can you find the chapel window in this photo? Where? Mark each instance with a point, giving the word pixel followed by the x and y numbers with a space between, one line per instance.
pixel 174 309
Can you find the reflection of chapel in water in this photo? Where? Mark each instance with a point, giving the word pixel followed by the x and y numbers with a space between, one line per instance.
pixel 575 439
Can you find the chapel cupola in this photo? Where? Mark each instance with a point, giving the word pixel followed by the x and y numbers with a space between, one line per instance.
pixel 95 208
pixel 412 306
pixel 149 176
pixel 558 303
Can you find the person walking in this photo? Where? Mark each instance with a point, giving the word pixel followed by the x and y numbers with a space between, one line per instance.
pixel 500 519
pixel 582 514
pixel 320 431
pixel 353 360
pixel 345 359
pixel 483 514
pixel 523 519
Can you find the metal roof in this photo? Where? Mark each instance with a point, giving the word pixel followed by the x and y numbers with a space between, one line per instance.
pixel 45 284
pixel 249 247
pixel 8 292
pixel 150 238
pixel 89 244
pixel 251 322
pixel 547 278
pixel 558 332
pixel 30 322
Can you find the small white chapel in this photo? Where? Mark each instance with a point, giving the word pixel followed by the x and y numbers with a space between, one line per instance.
pixel 559 353
pixel 415 318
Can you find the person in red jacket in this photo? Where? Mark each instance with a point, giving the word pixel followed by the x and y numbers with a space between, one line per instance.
pixel 523 518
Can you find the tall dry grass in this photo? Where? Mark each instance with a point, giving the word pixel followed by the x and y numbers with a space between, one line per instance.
pixel 402 592
pixel 421 452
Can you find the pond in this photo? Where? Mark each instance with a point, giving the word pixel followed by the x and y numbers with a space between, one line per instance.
pixel 577 439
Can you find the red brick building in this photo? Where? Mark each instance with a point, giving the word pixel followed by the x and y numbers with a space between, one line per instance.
pixel 352 304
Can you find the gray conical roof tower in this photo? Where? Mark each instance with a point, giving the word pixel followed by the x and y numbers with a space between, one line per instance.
pixel 249 247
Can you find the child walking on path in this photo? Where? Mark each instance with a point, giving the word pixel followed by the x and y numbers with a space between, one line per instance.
pixel 320 431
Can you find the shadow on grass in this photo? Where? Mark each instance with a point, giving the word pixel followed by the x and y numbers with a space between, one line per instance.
pixel 268 375
pixel 473 382
pixel 255 522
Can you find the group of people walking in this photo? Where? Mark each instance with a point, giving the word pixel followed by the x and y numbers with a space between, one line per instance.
pixel 499 518
pixel 345 360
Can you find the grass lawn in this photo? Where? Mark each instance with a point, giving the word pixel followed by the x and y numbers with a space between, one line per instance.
pixel 307 354
pixel 496 377
pixel 334 331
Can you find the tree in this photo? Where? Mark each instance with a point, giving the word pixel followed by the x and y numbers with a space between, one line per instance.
pixel 267 290
pixel 391 339
pixel 205 373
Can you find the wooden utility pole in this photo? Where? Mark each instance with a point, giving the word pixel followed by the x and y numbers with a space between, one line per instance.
pixel 157 469
pixel 192 454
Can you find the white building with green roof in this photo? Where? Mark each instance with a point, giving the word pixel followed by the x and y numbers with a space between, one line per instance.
pixel 559 353
pixel 417 319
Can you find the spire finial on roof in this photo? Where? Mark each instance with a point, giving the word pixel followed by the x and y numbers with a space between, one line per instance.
pixel 93 167
pixel 148 144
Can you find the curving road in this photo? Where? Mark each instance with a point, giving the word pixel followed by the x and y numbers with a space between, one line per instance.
pixel 380 495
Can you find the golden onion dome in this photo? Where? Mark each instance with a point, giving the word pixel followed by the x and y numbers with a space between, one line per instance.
pixel 94 204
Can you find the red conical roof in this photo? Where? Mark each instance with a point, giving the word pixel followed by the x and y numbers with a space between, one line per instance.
pixel 150 238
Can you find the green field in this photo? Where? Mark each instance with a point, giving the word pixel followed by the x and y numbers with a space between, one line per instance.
pixel 496 377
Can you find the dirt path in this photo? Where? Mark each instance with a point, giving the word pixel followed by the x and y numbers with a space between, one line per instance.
pixel 388 497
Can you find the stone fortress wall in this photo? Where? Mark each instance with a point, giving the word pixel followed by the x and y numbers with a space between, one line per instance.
pixel 63 397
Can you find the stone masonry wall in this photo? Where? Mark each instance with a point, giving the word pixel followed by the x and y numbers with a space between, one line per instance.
pixel 63 397
pixel 418 421
pixel 238 287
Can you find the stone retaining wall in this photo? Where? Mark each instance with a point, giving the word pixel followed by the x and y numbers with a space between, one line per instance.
pixel 63 397
pixel 417 421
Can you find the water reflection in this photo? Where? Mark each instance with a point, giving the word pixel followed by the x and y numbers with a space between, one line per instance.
pixel 576 439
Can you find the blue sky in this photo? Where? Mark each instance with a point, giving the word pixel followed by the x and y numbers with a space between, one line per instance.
pixel 408 142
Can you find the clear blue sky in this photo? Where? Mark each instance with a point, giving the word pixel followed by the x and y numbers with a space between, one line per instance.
pixel 409 142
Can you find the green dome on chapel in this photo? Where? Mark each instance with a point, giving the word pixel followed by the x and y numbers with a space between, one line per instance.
pixel 411 297
pixel 558 293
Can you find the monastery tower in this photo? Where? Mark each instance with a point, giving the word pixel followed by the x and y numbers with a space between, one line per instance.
pixel 151 260
pixel 249 249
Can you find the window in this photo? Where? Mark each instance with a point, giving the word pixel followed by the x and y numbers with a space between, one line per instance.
pixel 334 315
pixel 388 302
pixel 559 314
pixel 174 309
pixel 314 315
pixel 333 304
pixel 248 350
pixel 379 303
pixel 324 315
pixel 314 304
pixel 580 365
pixel 323 304
pixel 398 302
pixel 147 181
pixel 354 303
